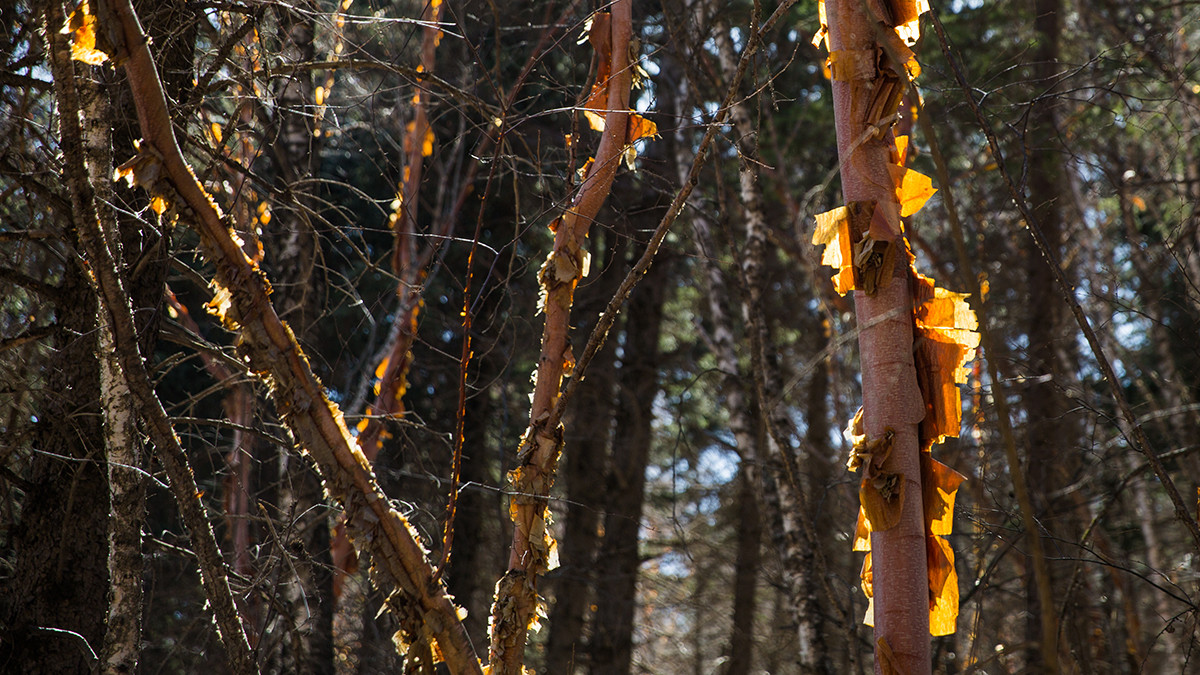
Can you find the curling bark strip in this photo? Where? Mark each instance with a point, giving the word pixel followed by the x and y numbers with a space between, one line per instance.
pixel 272 352
pixel 531 552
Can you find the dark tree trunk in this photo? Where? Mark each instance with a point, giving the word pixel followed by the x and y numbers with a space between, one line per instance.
pixel 745 576
pixel 619 559
pixel 290 243
pixel 1050 440
pixel 588 433
pixel 54 605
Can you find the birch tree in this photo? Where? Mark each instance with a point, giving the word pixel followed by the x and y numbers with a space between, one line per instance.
pixel 910 398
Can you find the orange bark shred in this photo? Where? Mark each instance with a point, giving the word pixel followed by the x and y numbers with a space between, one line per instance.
pixel 946 340
pixel 888 665
pixel 596 106
pixel 88 43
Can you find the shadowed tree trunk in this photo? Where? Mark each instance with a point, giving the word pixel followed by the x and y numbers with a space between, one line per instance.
pixel 144 250
pixel 291 240
pixel 54 601
pixel 619 558
pixel 589 431
pixel 1050 437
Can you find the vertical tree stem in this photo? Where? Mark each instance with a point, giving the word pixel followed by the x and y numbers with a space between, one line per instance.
pixel 891 396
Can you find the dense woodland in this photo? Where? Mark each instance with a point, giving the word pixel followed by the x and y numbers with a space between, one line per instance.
pixel 412 179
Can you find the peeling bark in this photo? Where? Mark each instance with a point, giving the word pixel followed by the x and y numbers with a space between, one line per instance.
pixel 396 355
pixel 891 396
pixel 531 553
pixel 273 353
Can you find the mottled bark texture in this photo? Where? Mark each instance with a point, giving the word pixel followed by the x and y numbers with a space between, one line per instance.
pixel 891 397
pixel 123 452
pixel 785 487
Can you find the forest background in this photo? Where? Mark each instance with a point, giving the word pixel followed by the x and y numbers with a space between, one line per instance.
pixel 395 167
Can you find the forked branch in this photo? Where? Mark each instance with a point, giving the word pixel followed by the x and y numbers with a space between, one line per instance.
pixel 273 354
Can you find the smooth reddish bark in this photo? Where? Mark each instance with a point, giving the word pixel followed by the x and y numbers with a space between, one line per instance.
pixel 891 397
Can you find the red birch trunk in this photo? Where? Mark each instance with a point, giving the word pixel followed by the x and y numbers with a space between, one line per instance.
pixel 891 397
pixel 531 553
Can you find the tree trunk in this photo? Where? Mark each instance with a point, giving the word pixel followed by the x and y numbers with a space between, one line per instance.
pixel 619 558
pixel 123 451
pixel 1049 436
pixel 54 600
pixel 891 396
pixel 587 440
pixel 785 488
pixel 291 241
pixel 745 571
pixel 540 447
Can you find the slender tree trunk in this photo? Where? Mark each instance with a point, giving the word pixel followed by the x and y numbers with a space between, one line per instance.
pixel 1050 435
pixel 143 250
pixel 619 558
pixel 747 440
pixel 745 576
pixel 785 489
pixel 529 557
pixel 127 489
pixel 891 396
pixel 291 241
